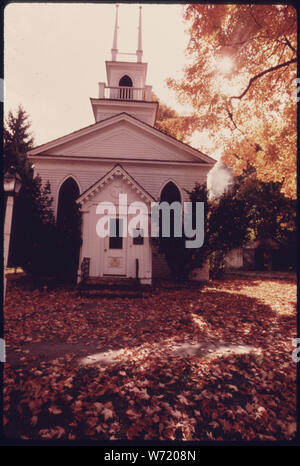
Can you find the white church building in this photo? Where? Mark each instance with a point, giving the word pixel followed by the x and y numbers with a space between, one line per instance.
pixel 120 153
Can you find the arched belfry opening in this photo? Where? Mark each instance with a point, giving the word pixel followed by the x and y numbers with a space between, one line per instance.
pixel 125 82
pixel 68 221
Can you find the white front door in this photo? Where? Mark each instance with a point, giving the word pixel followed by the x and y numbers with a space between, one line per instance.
pixel 115 249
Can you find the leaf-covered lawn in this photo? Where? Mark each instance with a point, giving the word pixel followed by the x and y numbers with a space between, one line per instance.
pixel 151 391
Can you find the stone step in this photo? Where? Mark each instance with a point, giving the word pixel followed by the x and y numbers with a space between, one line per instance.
pixel 110 293
pixel 110 284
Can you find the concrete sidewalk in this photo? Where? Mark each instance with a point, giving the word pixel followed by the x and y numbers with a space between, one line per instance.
pixel 85 353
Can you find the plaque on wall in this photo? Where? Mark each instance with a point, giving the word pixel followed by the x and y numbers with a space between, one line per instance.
pixel 115 262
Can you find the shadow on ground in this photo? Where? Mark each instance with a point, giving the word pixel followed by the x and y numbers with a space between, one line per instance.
pixel 208 317
pixel 183 369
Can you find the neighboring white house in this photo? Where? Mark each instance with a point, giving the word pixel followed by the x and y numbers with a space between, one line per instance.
pixel 121 153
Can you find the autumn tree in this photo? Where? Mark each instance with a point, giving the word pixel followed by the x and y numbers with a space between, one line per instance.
pixel 241 84
pixel 170 122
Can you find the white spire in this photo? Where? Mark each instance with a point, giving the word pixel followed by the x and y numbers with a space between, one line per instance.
pixel 114 49
pixel 139 51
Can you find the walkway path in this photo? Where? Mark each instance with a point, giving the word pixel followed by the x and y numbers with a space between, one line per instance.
pixel 89 354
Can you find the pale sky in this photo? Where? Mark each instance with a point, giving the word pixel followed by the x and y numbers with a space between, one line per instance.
pixel 55 56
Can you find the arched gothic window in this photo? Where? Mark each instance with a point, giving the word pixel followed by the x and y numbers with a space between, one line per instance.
pixel 68 193
pixel 68 221
pixel 169 194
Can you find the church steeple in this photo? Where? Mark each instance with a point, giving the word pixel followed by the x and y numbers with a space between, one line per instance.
pixel 126 89
pixel 114 50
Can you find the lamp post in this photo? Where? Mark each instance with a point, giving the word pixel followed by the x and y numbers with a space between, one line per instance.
pixel 12 186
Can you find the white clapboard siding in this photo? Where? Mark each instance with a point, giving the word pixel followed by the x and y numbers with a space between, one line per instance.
pixel 151 177
pixel 122 141
pixel 152 160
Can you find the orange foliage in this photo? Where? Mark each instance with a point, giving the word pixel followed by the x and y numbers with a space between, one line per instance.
pixel 241 85
pixel 153 390
pixel 170 122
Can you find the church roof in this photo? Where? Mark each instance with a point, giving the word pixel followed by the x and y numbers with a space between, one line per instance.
pixel 195 155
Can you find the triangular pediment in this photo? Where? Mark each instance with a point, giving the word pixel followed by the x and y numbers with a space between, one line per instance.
pixel 122 137
pixel 117 172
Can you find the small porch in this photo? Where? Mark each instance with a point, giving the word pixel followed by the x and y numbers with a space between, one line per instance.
pixel 116 245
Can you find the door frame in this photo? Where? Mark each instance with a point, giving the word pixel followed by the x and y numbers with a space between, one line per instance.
pixel 105 249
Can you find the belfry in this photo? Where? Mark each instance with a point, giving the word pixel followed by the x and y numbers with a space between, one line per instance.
pixel 126 84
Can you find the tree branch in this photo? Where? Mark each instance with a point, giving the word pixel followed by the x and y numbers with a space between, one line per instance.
pixel 289 44
pixel 259 75
pixel 254 19
pixel 229 113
